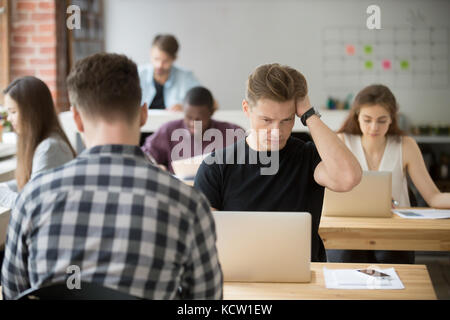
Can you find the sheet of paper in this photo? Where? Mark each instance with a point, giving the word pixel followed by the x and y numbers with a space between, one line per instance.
pixel 186 169
pixel 422 213
pixel 352 279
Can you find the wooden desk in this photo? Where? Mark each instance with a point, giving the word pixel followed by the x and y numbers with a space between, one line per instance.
pixel 415 278
pixel 189 182
pixel 156 118
pixel 4 221
pixel 7 169
pixel 393 233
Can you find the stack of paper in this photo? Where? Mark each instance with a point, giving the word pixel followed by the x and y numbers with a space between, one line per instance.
pixel 352 279
pixel 422 213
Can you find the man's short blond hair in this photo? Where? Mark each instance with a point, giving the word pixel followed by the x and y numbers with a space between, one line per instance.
pixel 275 82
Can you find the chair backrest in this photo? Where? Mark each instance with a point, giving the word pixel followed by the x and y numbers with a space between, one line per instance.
pixel 87 291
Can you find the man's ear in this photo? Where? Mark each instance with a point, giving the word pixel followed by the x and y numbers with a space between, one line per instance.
pixel 77 119
pixel 143 115
pixel 215 107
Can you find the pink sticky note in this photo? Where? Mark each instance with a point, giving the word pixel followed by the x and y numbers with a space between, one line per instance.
pixel 386 64
pixel 350 49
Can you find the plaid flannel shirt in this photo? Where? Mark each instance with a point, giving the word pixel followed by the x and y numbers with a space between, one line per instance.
pixel 123 222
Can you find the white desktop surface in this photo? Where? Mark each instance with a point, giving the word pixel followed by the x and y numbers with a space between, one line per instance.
pixel 156 118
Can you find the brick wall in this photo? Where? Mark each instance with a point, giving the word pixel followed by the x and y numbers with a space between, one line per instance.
pixel 38 44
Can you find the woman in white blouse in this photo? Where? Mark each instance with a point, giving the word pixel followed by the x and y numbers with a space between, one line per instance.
pixel 371 132
pixel 42 143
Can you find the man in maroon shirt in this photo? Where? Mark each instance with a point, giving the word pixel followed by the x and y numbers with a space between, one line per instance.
pixel 194 135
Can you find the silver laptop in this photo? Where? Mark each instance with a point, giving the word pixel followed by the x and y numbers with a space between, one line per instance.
pixel 264 246
pixel 186 169
pixel 371 198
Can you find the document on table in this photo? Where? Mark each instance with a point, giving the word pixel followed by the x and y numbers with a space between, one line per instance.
pixel 352 279
pixel 186 169
pixel 422 213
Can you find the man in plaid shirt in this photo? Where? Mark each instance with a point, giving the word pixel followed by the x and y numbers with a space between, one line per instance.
pixel 123 222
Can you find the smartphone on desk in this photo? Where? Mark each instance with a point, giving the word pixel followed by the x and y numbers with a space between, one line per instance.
pixel 374 273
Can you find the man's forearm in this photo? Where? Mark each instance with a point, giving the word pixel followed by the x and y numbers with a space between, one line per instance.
pixel 338 160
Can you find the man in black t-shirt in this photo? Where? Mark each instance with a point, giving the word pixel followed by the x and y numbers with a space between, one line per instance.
pixel 272 171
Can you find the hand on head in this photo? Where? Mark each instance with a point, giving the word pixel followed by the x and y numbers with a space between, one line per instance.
pixel 302 105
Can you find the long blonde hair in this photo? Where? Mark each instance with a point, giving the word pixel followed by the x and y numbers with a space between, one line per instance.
pixel 37 121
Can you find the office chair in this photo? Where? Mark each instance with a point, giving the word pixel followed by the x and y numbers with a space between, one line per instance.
pixel 88 291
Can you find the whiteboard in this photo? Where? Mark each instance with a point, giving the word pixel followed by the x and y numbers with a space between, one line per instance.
pixel 399 57
pixel 223 41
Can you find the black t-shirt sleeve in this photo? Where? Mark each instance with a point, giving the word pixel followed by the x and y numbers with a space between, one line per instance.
pixel 314 157
pixel 208 180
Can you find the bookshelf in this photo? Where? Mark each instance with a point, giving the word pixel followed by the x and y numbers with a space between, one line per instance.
pixel 89 39
pixel 4 45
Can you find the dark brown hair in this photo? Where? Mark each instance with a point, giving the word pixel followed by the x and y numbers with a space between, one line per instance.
pixel 105 86
pixel 376 94
pixel 199 97
pixel 37 121
pixel 167 43
pixel 275 82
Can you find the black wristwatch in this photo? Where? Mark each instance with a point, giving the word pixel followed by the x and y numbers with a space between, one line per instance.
pixel 308 114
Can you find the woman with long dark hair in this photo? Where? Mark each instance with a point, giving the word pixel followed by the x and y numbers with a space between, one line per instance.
pixel 42 143
pixel 371 132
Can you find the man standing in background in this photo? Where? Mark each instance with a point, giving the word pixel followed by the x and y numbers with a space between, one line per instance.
pixel 164 85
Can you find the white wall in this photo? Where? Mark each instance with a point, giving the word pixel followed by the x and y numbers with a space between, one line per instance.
pixel 223 41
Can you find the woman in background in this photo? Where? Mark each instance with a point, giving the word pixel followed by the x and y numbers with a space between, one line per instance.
pixel 371 132
pixel 42 143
